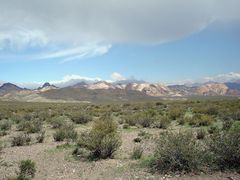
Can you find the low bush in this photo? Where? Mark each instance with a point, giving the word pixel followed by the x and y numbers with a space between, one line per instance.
pixel 66 132
pixel 1 146
pixel 102 140
pixel 125 126
pixel 225 148
pixel 81 153
pixel 201 120
pixel 80 117
pixel 32 126
pixel 58 122
pixel 175 113
pixel 21 140
pixel 137 140
pixel 213 129
pixel 201 133
pixel 181 121
pixel 227 124
pixel 27 169
pixel 137 152
pixel 144 119
pixel 178 152
pixel 162 123
pixel 40 137
pixel 5 125
pixel 144 134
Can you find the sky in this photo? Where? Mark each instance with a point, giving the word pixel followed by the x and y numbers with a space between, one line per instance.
pixel 153 40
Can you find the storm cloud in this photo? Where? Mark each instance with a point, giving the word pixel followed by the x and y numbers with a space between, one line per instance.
pixel 57 25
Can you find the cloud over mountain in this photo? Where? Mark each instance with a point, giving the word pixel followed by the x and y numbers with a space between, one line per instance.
pixel 117 77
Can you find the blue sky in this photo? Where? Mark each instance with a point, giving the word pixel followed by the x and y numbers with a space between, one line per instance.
pixel 199 52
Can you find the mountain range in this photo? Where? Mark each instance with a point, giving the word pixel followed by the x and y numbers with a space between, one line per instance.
pixel 117 91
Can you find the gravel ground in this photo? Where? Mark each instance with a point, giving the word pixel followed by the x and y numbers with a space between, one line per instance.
pixel 53 163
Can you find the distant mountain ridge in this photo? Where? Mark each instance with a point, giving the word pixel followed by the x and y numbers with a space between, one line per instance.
pixel 102 90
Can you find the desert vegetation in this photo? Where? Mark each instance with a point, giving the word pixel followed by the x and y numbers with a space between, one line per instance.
pixel 128 140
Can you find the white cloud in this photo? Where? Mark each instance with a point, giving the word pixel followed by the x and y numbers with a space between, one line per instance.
pixel 69 80
pixel 220 78
pixel 77 52
pixel 117 77
pixel 67 25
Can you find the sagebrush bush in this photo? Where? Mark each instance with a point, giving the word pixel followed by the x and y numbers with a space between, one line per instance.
pixel 213 129
pixel 125 126
pixel 27 169
pixel 102 140
pixel 227 124
pixel 137 140
pixel 175 113
pixel 144 119
pixel 32 126
pixel 21 140
pixel 181 121
pixel 40 137
pixel 58 121
pixel 66 132
pixel 1 146
pixel 163 122
pixel 80 117
pixel 201 133
pixel 225 148
pixel 201 120
pixel 144 134
pixel 5 125
pixel 137 152
pixel 178 152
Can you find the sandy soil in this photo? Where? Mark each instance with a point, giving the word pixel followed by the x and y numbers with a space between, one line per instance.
pixel 53 163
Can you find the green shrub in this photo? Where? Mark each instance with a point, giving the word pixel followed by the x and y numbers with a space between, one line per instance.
pixel 40 137
pixel 80 118
pixel 144 119
pixel 32 126
pixel 181 121
pixel 175 113
pixel 59 135
pixel 1 146
pixel 201 120
pixel 137 152
pixel 58 122
pixel 137 140
pixel 131 120
pixel 225 148
pixel 21 140
pixel 81 153
pixel 162 123
pixel 201 133
pixel 144 134
pixel 27 169
pixel 177 152
pixel 125 126
pixel 66 132
pixel 227 124
pixel 3 133
pixel 213 129
pixel 102 140
pixel 5 125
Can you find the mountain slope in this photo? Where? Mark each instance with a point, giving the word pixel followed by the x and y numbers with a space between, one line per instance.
pixel 96 95
pixel 9 87
pixel 212 89
pixel 46 87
